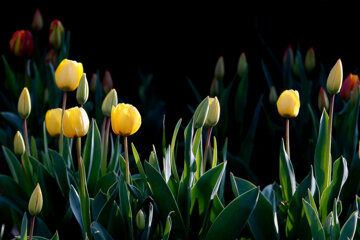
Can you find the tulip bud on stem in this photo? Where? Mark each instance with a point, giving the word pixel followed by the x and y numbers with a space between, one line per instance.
pixel 209 130
pixel 26 137
pixel 288 137
pixel 105 145
pixel 61 139
pixel 127 160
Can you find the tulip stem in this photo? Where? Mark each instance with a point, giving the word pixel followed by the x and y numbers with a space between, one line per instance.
pixel 105 149
pixel 209 130
pixel 32 227
pixel 288 137
pixel 127 160
pixel 331 115
pixel 26 138
pixel 62 118
pixel 103 133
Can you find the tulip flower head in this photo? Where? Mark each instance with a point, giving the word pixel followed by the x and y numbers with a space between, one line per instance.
pixel 288 104
pixel 53 121
pixel 75 122
pixel 140 220
pixel 68 75
pixel 24 104
pixel 335 78
pixel 36 201
pixel 21 43
pixel 348 86
pixel 201 113
pixel 38 22
pixel 19 145
pixel 82 92
pixel 310 61
pixel 56 34
pixel 323 100
pixel 110 100
pixel 107 82
pixel 213 113
pixel 125 119
pixel 242 65
pixel 220 69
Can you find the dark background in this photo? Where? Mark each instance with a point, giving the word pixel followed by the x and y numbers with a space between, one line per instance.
pixel 175 41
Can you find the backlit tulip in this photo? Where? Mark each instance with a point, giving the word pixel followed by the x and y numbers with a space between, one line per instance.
pixel 288 104
pixel 75 122
pixel 335 78
pixel 24 104
pixel 310 62
pixel 348 86
pixel 38 22
pixel 323 100
pixel 125 119
pixel 19 145
pixel 53 121
pixel 110 100
pixel 201 113
pixel 220 69
pixel 56 34
pixel 213 113
pixel 21 43
pixel 68 75
pixel 36 201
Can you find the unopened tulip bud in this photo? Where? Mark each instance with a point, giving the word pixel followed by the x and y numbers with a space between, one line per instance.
pixel 82 92
pixel 335 78
pixel 273 95
pixel 201 113
pixel 93 81
pixel 51 57
pixel 140 220
pixel 288 55
pixel 56 34
pixel 348 86
pixel 213 113
pixel 152 159
pixel 38 22
pixel 354 94
pixel 110 100
pixel 36 201
pixel 310 60
pixel 107 82
pixel 323 100
pixel 220 69
pixel 214 88
pixel 24 104
pixel 242 65
pixel 296 67
pixel 288 104
pixel 21 43
pixel 19 145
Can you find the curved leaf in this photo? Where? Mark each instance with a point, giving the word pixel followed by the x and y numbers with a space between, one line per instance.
pixel 99 232
pixel 229 223
pixel 317 230
pixel 287 174
pixel 348 230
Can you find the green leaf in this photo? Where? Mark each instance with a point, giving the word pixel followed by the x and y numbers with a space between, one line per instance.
pixel 206 188
pixel 98 203
pixel 92 157
pixel 106 181
pixel 114 164
pixel 99 232
pixel 28 169
pixel 163 197
pixel 240 101
pixel 172 153
pixel 139 164
pixel 260 224
pixel 214 160
pixel 287 174
pixel 296 225
pixel 24 228
pixel 34 148
pixel 317 230
pixel 216 208
pixel 125 207
pixel 13 192
pixel 60 172
pixel 168 226
pixel 46 147
pixel 56 236
pixel 13 119
pixel 348 230
pixel 193 88
pixel 340 175
pixel 10 81
pixel 74 200
pixel 228 225
pixel 167 165
pixel 16 170
pixel 153 159
pixel 322 161
pixel 146 233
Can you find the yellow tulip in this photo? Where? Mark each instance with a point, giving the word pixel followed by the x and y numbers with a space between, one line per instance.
pixel 36 201
pixel 288 104
pixel 53 121
pixel 213 113
pixel 24 104
pixel 75 122
pixel 19 146
pixel 335 78
pixel 68 75
pixel 125 119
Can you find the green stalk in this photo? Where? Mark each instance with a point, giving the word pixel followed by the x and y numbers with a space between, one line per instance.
pixel 127 160
pixel 32 227
pixel 288 137
pixel 105 149
pixel 209 130
pixel 61 139
pixel 26 138
pixel 83 192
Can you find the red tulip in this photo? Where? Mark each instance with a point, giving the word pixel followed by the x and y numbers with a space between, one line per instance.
pixel 56 34
pixel 348 85
pixel 21 43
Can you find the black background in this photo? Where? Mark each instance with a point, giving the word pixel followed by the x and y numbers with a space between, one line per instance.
pixel 175 41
